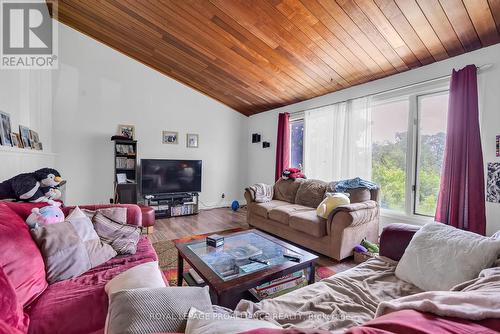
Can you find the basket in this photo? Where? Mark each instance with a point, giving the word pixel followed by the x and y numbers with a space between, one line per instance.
pixel 362 257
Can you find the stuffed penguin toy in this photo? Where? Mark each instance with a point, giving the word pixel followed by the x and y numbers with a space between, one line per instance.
pixel 39 186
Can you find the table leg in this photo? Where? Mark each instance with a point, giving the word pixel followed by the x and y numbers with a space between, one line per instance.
pixel 311 274
pixel 180 269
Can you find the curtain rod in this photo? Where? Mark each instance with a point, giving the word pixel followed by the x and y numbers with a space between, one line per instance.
pixel 479 68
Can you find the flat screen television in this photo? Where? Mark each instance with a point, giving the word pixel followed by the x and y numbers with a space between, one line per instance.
pixel 170 176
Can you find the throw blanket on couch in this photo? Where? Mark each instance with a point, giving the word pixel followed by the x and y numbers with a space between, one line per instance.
pixel 336 303
pixel 261 192
pixel 477 299
pixel 342 186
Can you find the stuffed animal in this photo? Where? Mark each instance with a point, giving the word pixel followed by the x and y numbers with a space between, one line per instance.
pixel 292 174
pixel 39 186
pixel 50 214
pixel 331 201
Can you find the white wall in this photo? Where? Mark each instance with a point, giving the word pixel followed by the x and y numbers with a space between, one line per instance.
pixel 26 96
pixel 96 88
pixel 262 162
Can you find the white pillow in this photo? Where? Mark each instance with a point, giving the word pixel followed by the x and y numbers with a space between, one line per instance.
pixel 199 322
pixel 145 275
pixel 440 256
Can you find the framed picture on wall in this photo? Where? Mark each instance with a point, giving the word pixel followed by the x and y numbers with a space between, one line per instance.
pixel 170 137
pixel 5 129
pixel 24 133
pixel 493 183
pixel 192 140
pixel 127 131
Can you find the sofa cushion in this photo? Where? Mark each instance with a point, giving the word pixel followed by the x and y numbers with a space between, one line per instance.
pixel 311 193
pixel 23 209
pixel 282 213
pixel 79 305
pixel 213 323
pixel 12 311
pixel 414 322
pixel 20 257
pixel 308 222
pixel 286 190
pixel 262 209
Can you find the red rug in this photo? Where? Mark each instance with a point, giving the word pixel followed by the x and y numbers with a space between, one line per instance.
pixel 167 257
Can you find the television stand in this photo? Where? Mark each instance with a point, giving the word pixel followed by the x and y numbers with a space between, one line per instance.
pixel 173 204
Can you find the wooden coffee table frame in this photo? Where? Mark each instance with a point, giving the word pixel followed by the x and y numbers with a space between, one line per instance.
pixel 228 293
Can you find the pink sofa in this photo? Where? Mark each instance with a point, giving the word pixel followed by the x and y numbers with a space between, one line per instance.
pixel 77 305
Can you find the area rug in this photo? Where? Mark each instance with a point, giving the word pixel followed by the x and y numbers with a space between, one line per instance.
pixel 167 257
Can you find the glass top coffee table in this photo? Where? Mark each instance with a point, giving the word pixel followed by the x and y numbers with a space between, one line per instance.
pixel 246 260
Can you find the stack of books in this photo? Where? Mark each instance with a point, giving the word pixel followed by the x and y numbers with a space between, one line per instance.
pixel 124 163
pixel 280 286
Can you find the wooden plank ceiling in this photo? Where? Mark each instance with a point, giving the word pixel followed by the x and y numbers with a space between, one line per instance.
pixel 256 55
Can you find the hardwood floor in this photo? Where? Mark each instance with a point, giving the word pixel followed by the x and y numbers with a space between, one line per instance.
pixel 221 219
pixel 207 221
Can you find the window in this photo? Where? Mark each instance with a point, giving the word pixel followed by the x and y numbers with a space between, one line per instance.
pixel 432 111
pixel 297 143
pixel 389 146
pixel 408 139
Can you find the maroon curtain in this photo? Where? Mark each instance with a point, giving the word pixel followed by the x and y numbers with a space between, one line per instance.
pixel 282 144
pixel 461 200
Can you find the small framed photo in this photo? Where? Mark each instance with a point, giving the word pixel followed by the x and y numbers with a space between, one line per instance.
pixel 170 137
pixel 14 138
pixel 192 140
pixel 127 131
pixel 24 133
pixel 5 129
pixel 34 139
pixel 39 146
pixel 121 178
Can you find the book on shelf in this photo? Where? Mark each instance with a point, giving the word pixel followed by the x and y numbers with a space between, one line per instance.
pixel 280 286
pixel 125 149
pixel 125 163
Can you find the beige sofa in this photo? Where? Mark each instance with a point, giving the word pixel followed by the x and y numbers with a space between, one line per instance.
pixel 291 215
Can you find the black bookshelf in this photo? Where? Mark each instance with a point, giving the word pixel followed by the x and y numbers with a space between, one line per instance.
pixel 125 156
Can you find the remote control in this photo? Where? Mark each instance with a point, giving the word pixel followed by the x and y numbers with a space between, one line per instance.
pixel 292 257
pixel 196 277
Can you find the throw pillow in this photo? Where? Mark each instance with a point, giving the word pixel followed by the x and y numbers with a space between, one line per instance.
pixel 213 323
pixel 145 275
pixel 331 201
pixel 70 248
pixel 110 225
pixel 440 256
pixel 140 311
